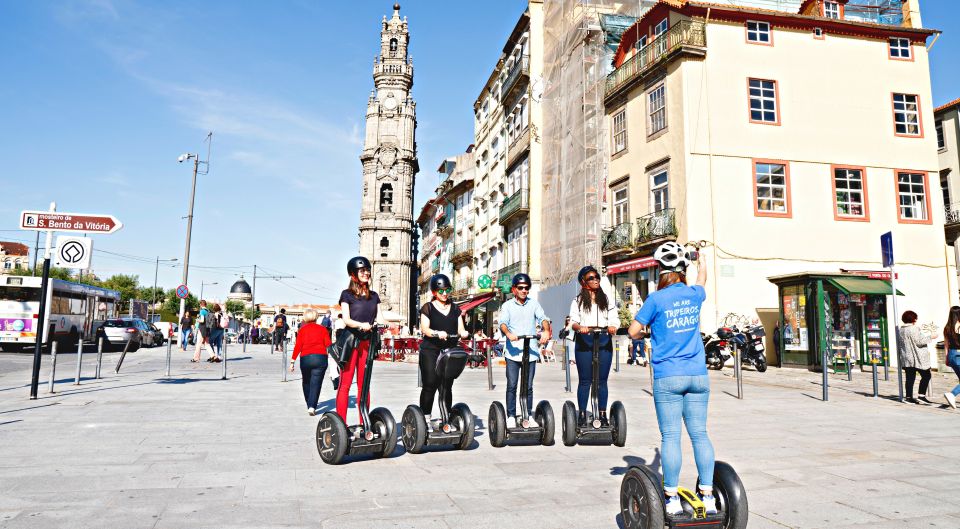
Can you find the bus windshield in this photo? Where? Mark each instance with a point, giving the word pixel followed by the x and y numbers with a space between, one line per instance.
pixel 19 294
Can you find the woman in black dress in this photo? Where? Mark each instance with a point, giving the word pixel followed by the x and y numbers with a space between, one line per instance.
pixel 442 326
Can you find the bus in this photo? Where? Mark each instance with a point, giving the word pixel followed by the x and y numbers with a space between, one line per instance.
pixel 74 310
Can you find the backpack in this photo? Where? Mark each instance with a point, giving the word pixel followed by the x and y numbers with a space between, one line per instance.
pixel 224 321
pixel 281 322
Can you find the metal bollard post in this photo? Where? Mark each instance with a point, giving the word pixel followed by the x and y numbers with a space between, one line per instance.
pixel 123 355
pixel 849 370
pixel 566 365
pixel 53 365
pixel 738 371
pixel 283 360
pixel 489 368
pixel 876 391
pixel 76 378
pixel 419 375
pixel 99 356
pixel 169 349
pixel 826 380
pixel 616 352
pixel 886 368
pixel 223 375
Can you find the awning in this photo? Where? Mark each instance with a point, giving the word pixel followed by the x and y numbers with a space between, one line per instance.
pixel 862 285
pixel 476 302
pixel 633 264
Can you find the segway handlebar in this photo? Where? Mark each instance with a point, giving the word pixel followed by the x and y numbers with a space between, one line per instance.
pixel 584 329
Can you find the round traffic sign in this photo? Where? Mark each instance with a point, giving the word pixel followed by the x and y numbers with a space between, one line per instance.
pixel 183 292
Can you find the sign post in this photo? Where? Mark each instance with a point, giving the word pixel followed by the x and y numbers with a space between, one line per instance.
pixel 886 249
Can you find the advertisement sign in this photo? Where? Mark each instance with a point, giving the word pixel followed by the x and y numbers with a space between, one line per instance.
pixel 16 325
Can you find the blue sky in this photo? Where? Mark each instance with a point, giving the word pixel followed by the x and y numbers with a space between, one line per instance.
pixel 99 97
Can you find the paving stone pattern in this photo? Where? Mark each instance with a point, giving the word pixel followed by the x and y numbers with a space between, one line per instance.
pixel 139 450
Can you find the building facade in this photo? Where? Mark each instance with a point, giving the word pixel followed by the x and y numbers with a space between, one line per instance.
pixel 390 166
pixel 719 133
pixel 947 127
pixel 13 256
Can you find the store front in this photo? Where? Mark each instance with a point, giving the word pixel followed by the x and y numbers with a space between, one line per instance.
pixel 843 313
pixel 633 280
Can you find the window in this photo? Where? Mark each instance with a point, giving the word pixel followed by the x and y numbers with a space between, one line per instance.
pixel 831 10
pixel 941 143
pixel 906 115
pixel 758 32
pixel 386 198
pixel 899 48
pixel 393 47
pixel 657 109
pixel 661 44
pixel 850 193
pixel 7 265
pixel 763 102
pixel 641 42
pixel 659 190
pixel 620 131
pixel 621 209
pixel 818 33
pixel 771 188
pixel 912 194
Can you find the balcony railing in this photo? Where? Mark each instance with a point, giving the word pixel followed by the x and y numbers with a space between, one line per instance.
pixel 619 238
pixel 462 251
pixel 520 267
pixel 514 205
pixel 686 34
pixel 520 145
pixel 951 214
pixel 657 226
pixel 435 265
pixel 520 70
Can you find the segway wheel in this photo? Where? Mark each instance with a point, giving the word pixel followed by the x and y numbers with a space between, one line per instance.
pixel 731 496
pixel 761 364
pixel 546 420
pixel 385 425
pixel 465 422
pixel 618 420
pixel 497 425
pixel 641 499
pixel 332 438
pixel 414 429
pixel 569 416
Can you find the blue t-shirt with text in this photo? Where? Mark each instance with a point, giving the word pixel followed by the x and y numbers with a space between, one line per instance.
pixel 673 315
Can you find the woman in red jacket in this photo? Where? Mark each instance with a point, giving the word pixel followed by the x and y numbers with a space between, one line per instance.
pixel 312 342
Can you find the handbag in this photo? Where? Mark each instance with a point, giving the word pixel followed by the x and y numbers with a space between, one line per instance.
pixel 341 349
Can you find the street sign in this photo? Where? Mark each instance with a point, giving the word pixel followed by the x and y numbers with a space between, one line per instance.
pixel 886 249
pixel 73 252
pixel 57 221
pixel 484 281
pixel 504 283
pixel 183 291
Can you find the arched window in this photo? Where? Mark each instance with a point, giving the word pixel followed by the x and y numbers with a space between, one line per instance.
pixel 393 47
pixel 386 198
pixel 384 246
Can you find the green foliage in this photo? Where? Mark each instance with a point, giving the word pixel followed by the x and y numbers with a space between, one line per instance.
pixel 234 307
pixel 149 294
pixel 55 273
pixel 251 314
pixel 127 285
pixel 625 315
pixel 172 303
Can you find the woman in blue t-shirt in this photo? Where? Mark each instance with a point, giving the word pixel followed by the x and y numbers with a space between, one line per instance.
pixel 681 387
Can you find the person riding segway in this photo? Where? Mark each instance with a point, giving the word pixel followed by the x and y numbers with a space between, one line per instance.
pixel 681 392
pixel 519 318
pixel 355 351
pixel 441 362
pixel 594 319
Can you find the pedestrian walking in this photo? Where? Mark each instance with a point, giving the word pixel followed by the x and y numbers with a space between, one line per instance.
pixel 592 308
pixel 338 326
pixel 566 337
pixel 311 347
pixel 186 324
pixel 914 356
pixel 254 335
pixel 216 325
pixel 202 336
pixel 279 329
pixel 327 322
pixel 951 337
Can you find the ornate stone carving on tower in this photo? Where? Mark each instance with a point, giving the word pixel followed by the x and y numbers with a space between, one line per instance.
pixel 389 168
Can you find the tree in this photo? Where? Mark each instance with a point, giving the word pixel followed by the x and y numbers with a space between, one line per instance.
pixel 127 285
pixel 150 293
pixel 234 307
pixel 251 314
pixel 172 302
pixel 55 273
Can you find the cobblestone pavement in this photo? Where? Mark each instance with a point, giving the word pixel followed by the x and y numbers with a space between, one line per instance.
pixel 137 449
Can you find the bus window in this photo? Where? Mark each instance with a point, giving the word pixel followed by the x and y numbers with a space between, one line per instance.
pixel 19 294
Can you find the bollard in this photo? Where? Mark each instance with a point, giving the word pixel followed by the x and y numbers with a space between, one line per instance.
pixel 886 368
pixel 826 380
pixel 123 355
pixel 283 360
pixel 616 353
pixel 169 349
pixel 53 365
pixel 223 376
pixel 99 356
pixel 738 371
pixel 489 368
pixel 566 364
pixel 849 370
pixel 876 392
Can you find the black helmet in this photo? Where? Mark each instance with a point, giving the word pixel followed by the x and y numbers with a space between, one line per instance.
pixel 439 281
pixel 584 271
pixel 522 279
pixel 358 262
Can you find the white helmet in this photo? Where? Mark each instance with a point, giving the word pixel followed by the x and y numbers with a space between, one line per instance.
pixel 672 257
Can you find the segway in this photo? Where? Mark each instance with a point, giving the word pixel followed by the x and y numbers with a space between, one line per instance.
pixel 593 432
pixel 642 502
pixel 497 429
pixel 456 426
pixel 376 435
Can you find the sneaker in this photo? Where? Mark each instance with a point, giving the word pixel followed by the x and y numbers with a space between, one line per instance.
pixel 429 423
pixel 582 420
pixel 911 400
pixel 709 502
pixel 532 423
pixel 311 412
pixel 673 506
pixel 604 422
pixel 951 399
pixel 923 399
pixel 511 422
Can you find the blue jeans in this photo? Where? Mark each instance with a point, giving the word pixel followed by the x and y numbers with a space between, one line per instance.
pixel 513 377
pixel 683 397
pixel 637 349
pixel 216 340
pixel 312 369
pixel 585 374
pixel 184 338
pixel 953 360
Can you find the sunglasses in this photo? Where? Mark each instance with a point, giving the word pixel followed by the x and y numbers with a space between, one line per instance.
pixel 523 289
pixel 444 291
pixel 363 271
pixel 592 278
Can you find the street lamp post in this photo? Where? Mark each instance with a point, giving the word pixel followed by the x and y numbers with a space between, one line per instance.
pixel 202 285
pixel 156 270
pixel 193 193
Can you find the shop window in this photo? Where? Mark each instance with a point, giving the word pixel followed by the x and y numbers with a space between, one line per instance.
pixel 759 32
pixel 657 109
pixel 764 102
pixel 906 115
pixel 771 188
pixel 912 197
pixel 620 131
pixel 850 193
pixel 899 48
pixel 794 334
pixel 941 143
pixel 659 190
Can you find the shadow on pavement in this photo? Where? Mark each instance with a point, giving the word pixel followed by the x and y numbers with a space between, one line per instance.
pixel 11 422
pixel 30 408
pixel 637 461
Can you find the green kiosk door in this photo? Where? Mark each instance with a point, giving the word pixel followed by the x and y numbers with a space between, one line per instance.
pixel 870 297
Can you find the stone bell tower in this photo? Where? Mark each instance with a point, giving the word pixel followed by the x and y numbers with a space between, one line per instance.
pixel 390 167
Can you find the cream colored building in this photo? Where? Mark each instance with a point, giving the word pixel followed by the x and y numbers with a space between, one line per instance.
pixel 13 256
pixel 789 143
pixel 947 126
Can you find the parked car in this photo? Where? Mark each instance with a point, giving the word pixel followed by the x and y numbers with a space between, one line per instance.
pixel 117 332
pixel 170 330
pixel 158 337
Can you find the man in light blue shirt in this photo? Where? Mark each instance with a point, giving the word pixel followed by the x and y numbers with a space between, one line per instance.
pixel 519 317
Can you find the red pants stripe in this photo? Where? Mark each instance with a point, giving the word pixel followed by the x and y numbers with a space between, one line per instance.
pixel 358 363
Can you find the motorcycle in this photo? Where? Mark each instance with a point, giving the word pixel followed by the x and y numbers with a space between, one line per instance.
pixel 718 348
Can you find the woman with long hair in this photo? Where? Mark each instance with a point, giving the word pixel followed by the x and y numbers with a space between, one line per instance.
pixel 681 387
pixel 441 323
pixel 359 307
pixel 592 308
pixel 951 338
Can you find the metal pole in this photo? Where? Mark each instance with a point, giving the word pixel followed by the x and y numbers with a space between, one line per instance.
pixel 617 356
pixel 876 392
pixel 738 371
pixel 826 379
pixel 186 252
pixel 169 348
pixel 41 316
pixel 566 364
pixel 122 355
pixel 849 369
pixel 253 308
pixel 156 270
pixel 893 287
pixel 283 360
pixel 53 365
pixel 223 376
pixel 36 252
pixel 99 360
pixel 489 368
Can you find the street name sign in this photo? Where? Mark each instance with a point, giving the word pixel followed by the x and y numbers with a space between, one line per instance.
pixel 58 221
pixel 73 252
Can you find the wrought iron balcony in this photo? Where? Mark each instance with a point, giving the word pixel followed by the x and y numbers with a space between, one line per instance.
pixel 687 36
pixel 520 267
pixel 435 265
pixel 619 238
pixel 461 287
pixel 518 147
pixel 462 252
pixel 514 205
pixel 657 227
pixel 951 214
pixel 519 72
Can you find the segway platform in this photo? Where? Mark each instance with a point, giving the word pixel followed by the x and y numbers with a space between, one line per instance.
pixel 497 429
pixel 456 425
pixel 593 432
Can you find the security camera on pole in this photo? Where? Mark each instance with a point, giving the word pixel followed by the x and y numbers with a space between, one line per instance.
pixel 193 192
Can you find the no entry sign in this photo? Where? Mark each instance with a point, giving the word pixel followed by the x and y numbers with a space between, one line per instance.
pixel 183 291
pixel 57 221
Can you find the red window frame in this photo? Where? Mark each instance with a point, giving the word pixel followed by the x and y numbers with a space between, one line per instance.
pixel 926 192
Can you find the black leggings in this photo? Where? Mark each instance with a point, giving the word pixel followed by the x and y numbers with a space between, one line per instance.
pixel 912 376
pixel 431 380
